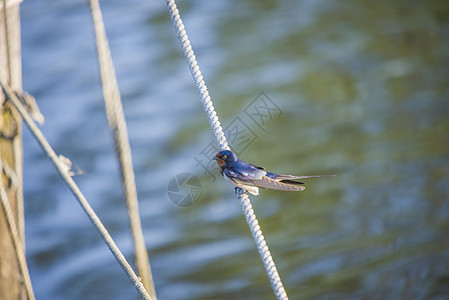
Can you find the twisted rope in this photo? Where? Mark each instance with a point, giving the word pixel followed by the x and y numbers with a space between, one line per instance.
pixel 262 246
pixel 64 173
pixel 196 73
pixel 117 125
pixel 250 216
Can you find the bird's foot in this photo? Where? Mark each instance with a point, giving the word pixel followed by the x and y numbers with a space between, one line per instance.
pixel 240 191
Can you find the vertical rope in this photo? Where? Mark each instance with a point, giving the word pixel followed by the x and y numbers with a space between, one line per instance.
pixel 64 173
pixel 16 239
pixel 251 218
pixel 117 125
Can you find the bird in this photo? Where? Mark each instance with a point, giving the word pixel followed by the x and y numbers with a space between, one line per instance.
pixel 250 177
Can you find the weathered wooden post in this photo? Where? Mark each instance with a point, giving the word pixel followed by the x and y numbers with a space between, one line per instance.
pixel 10 148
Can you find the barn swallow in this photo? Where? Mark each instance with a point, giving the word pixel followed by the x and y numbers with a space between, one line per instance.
pixel 250 177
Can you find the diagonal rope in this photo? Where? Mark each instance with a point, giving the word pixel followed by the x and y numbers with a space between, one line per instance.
pixel 196 73
pixel 251 218
pixel 64 173
pixel 262 246
pixel 17 242
pixel 117 125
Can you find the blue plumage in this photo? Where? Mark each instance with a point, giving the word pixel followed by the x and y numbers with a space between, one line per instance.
pixel 250 177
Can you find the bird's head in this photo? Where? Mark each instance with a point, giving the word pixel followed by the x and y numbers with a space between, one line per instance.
pixel 225 158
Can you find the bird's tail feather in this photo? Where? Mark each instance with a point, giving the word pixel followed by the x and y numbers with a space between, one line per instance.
pixel 283 178
pixel 291 182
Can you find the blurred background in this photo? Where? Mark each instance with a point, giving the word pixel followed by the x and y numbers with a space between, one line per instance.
pixel 361 90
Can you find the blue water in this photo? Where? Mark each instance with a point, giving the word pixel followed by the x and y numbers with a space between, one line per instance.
pixel 358 88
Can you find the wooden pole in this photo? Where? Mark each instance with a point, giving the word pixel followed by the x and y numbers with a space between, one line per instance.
pixel 11 148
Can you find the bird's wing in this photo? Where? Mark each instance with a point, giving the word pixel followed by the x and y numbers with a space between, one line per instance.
pixel 271 184
pixel 257 167
pixel 263 181
pixel 230 174
pixel 247 171
pixel 237 176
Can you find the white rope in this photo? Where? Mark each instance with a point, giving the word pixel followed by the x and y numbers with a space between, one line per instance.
pixel 251 218
pixel 196 73
pixel 64 173
pixel 117 125
pixel 262 246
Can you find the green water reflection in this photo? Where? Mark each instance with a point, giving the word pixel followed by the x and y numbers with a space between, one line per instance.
pixel 364 89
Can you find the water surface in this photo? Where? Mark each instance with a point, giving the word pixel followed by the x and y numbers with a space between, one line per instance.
pixel 361 90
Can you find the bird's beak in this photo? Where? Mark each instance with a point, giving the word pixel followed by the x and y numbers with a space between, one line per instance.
pixel 215 158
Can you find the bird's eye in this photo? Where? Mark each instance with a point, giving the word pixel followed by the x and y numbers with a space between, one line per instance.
pixel 225 156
